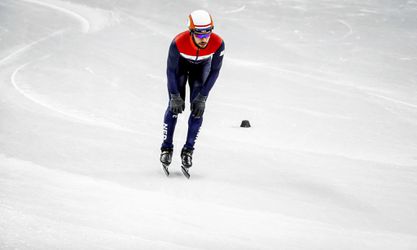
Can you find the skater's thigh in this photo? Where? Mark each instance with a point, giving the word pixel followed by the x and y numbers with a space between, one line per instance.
pixel 182 81
pixel 197 77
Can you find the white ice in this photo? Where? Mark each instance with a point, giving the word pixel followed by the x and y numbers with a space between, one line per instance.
pixel 330 162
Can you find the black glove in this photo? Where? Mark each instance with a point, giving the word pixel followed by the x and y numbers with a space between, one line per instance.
pixel 176 104
pixel 198 105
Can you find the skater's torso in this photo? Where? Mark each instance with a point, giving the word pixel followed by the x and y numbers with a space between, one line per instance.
pixel 185 58
pixel 191 52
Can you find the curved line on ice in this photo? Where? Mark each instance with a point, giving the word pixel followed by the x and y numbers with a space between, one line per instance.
pixel 236 10
pixel 28 46
pixel 85 24
pixel 78 118
pixel 350 32
pixel 147 24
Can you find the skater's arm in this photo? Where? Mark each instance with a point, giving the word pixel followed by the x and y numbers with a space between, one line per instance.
pixel 172 65
pixel 216 65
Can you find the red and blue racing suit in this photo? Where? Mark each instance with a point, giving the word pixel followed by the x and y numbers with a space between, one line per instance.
pixel 201 67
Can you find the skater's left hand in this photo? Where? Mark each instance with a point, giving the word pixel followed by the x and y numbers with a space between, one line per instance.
pixel 198 105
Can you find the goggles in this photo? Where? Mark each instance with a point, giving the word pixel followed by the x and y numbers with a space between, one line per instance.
pixel 202 33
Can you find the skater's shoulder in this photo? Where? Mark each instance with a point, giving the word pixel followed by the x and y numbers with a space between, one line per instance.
pixel 216 38
pixel 215 41
pixel 182 37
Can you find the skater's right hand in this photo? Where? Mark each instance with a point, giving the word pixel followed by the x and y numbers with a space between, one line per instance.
pixel 176 104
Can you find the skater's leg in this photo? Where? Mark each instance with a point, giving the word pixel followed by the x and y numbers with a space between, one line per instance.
pixel 194 125
pixel 170 119
pixel 196 80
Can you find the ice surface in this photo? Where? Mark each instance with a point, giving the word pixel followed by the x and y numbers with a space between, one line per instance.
pixel 330 162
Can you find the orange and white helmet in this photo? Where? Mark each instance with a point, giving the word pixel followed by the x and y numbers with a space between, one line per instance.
pixel 200 20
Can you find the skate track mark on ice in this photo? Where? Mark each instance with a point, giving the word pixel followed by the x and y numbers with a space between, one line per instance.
pixel 85 24
pixel 29 46
pixel 74 117
pixel 394 100
pixel 349 32
pixel 236 10
pixel 145 23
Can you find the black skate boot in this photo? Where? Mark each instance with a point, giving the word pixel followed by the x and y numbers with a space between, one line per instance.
pixel 166 158
pixel 187 161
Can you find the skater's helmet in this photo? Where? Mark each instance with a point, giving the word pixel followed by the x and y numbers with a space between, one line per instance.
pixel 200 21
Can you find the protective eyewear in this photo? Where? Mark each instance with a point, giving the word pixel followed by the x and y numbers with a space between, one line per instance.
pixel 202 35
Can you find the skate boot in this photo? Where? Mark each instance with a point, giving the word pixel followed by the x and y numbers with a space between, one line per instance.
pixel 187 161
pixel 187 157
pixel 166 158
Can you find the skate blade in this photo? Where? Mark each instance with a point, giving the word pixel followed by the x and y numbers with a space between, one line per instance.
pixel 185 172
pixel 165 168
